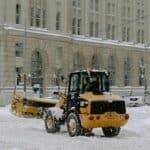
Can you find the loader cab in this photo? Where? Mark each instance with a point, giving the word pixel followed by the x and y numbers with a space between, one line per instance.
pixel 98 84
pixel 99 81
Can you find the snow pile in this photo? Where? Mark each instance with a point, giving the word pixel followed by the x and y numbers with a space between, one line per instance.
pixel 18 133
pixel 57 112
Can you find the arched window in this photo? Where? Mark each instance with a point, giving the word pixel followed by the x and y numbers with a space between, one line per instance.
pixel 36 68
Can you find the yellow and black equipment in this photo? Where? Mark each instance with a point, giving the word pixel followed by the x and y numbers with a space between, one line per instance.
pixel 84 108
pixel 88 104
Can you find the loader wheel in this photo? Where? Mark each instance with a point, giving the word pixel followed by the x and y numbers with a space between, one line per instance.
pixel 87 132
pixel 73 125
pixel 110 132
pixel 51 123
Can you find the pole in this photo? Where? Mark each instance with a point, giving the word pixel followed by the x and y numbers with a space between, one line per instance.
pixel 25 43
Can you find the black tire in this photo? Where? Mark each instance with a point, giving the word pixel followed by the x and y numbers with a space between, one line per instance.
pixel 87 132
pixel 111 131
pixel 73 125
pixel 51 124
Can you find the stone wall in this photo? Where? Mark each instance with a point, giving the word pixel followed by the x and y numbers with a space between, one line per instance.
pixel 81 48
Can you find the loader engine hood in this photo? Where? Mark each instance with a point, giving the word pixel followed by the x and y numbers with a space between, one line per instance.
pixel 106 96
pixel 102 103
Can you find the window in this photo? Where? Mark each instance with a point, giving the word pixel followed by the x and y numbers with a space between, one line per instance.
pixel 79 3
pixel 36 68
pixel 79 26
pixel 91 4
pixel 141 72
pixel 113 32
pixel 44 18
pixel 123 11
pixel 111 68
pixel 18 13
pixel 128 11
pixel 77 61
pixel 142 37
pixel 108 29
pixel 108 8
pixel 138 13
pixel 96 29
pixel 74 26
pixel 95 62
pixel 113 8
pixel 38 13
pixel 76 17
pixel 59 56
pixel 128 34
pixel 127 71
pixel 96 5
pixel 32 17
pixel 74 83
pixel 58 21
pixel 38 17
pixel 19 49
pixel 125 33
pixel 19 75
pixel 138 36
pixel 74 3
pixel 19 70
pixel 91 28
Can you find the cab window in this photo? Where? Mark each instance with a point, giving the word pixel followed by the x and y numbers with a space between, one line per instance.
pixel 74 82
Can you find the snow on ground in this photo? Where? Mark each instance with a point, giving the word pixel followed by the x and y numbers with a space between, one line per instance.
pixel 18 133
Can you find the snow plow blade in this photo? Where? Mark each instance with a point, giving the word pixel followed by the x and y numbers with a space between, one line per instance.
pixel 30 107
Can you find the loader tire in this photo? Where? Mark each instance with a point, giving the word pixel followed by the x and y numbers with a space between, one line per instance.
pixel 87 132
pixel 51 124
pixel 111 131
pixel 73 125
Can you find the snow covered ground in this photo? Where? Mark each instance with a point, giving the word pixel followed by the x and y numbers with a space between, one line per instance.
pixel 18 133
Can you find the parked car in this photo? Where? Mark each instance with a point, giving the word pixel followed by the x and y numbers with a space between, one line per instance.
pixel 134 99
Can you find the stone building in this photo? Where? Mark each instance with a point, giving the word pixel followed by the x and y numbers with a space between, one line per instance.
pixel 46 39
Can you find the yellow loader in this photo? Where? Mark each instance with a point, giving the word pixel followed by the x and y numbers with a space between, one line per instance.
pixel 87 104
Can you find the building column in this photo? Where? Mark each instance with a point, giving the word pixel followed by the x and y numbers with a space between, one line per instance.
pixel 85 25
pixel 134 23
pixel 118 22
pixel 2 59
pixel 147 22
pixel 103 22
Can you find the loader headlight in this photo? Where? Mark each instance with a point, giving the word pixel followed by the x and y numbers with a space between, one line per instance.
pixel 83 103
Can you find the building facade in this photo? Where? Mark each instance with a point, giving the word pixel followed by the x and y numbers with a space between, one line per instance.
pixel 46 39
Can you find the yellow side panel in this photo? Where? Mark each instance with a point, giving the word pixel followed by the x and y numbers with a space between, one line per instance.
pixel 109 119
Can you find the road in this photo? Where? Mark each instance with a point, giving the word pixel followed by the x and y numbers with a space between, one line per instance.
pixel 17 133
